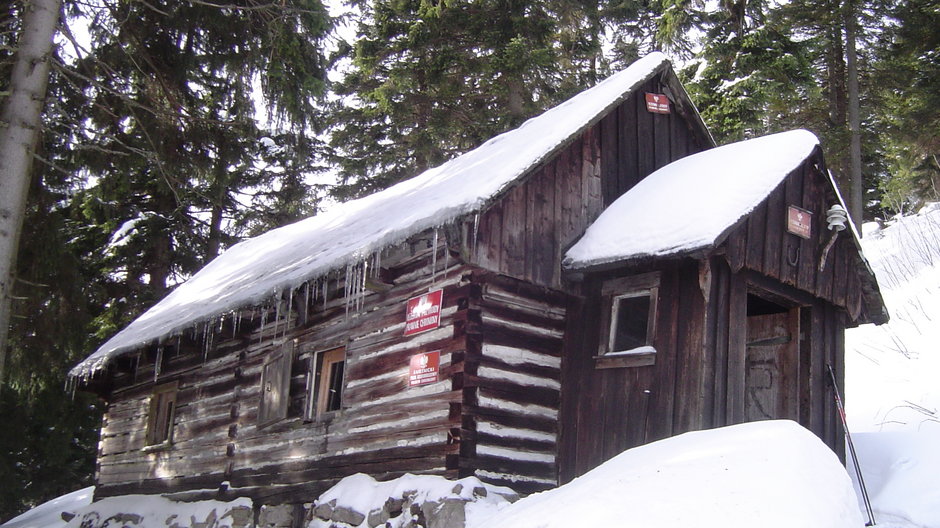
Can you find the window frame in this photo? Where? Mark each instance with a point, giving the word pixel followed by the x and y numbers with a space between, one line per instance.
pixel 278 367
pixel 161 415
pixel 320 380
pixel 612 292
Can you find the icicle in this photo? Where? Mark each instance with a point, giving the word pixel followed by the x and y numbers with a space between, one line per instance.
pixel 264 318
pixel 307 298
pixel 446 260
pixel 362 284
pixel 476 229
pixel 178 337
pixel 346 288
pixel 158 364
pixel 277 313
pixel 326 285
pixel 290 303
pixel 434 259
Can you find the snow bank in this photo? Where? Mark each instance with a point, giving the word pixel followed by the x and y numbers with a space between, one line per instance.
pixel 891 370
pixel 767 474
pixel 256 269
pixel 902 475
pixel 49 514
pixel 134 511
pixel 688 204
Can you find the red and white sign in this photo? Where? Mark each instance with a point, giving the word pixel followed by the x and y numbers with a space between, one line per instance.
pixel 425 368
pixel 657 103
pixel 423 312
pixel 799 221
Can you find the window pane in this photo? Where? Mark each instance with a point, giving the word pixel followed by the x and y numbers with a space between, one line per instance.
pixel 336 386
pixel 632 321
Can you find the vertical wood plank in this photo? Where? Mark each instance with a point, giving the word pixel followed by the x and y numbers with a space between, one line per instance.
pixel 489 243
pixel 806 275
pixel 756 226
pixel 609 161
pixel 545 255
pixel 719 325
pixel 514 232
pixel 661 420
pixel 691 361
pixel 646 141
pixel 775 236
pixel 737 347
pixel 592 178
pixel 793 254
pixel 628 176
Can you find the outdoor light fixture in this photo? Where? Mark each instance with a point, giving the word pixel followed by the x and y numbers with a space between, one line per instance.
pixel 836 216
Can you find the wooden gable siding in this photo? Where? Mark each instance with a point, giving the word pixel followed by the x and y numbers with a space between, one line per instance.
pixel 512 383
pixel 762 244
pixel 525 233
pixel 385 428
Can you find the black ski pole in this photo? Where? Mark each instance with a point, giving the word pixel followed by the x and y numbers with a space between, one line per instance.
pixel 848 438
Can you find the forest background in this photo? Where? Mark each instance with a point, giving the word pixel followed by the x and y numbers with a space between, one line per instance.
pixel 172 129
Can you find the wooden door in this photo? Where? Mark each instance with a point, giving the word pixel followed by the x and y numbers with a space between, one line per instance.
pixel 771 378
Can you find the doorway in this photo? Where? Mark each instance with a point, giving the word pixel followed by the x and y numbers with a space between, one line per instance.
pixel 772 360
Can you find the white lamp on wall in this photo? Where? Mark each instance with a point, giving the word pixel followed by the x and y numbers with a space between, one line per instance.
pixel 837 217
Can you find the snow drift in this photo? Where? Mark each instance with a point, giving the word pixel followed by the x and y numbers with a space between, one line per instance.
pixel 767 474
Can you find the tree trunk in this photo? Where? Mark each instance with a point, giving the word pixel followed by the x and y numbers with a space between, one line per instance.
pixel 857 189
pixel 20 123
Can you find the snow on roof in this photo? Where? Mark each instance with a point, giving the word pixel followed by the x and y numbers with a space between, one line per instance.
pixel 256 269
pixel 690 203
pixel 768 474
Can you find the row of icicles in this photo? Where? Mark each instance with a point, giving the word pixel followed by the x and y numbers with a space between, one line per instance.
pixel 356 276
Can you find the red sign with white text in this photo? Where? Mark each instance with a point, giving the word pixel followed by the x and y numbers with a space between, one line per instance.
pixel 423 312
pixel 657 103
pixel 799 221
pixel 425 368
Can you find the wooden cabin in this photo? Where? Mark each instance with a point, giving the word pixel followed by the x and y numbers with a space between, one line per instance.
pixel 433 327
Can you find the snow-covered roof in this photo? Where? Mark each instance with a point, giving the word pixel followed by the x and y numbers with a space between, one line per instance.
pixel 691 203
pixel 254 270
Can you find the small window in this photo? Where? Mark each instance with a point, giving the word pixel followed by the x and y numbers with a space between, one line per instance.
pixel 162 414
pixel 275 386
pixel 325 391
pixel 629 321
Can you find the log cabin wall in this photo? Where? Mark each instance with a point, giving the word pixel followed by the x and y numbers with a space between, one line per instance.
pixel 384 427
pixel 513 383
pixel 525 233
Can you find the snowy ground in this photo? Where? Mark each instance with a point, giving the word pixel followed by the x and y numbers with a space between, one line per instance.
pixel 892 371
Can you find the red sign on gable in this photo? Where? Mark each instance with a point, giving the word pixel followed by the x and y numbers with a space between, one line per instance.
pixel 425 368
pixel 799 221
pixel 423 312
pixel 657 103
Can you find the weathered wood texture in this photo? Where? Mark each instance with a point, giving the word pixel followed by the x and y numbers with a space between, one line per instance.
pixel 761 243
pixel 698 379
pixel 384 428
pixel 512 383
pixel 607 410
pixel 525 233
